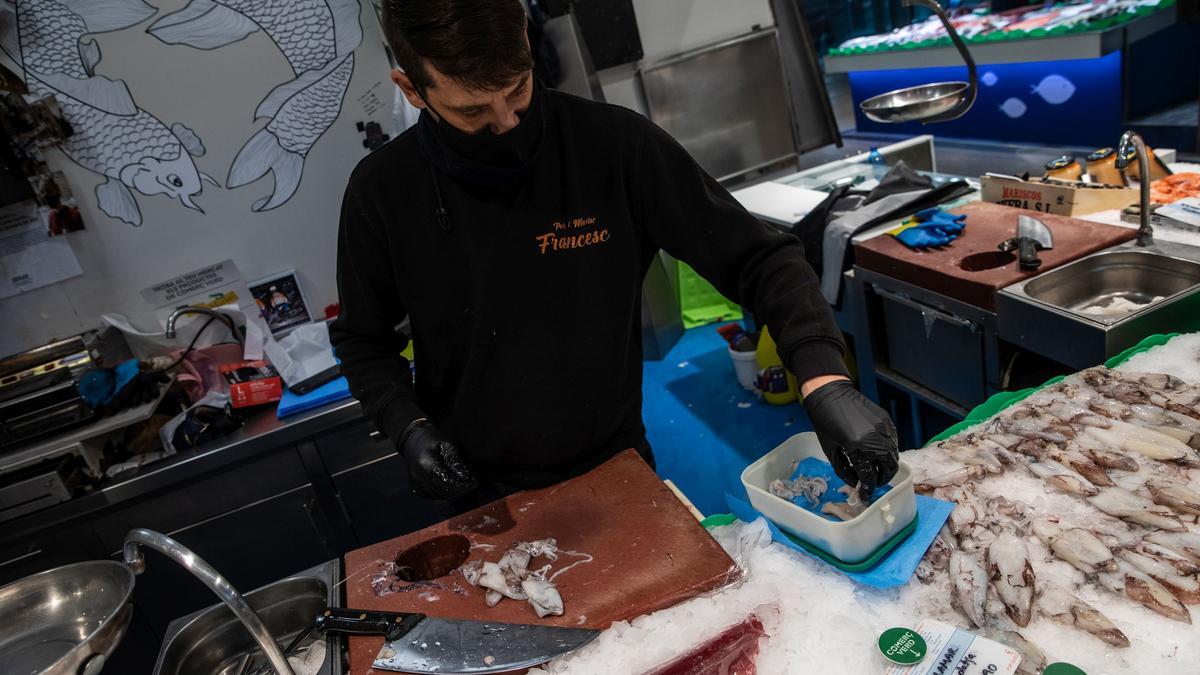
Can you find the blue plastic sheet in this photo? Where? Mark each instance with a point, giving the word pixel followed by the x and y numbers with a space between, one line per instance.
pixel 895 569
pixel 291 404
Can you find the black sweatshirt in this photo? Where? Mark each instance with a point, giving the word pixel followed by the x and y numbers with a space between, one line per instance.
pixel 526 306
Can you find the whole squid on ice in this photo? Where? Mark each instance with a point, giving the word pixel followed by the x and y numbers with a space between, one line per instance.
pixel 1183 543
pixel 1062 606
pixel 1185 587
pixel 1078 547
pixel 968 578
pixel 967 510
pixel 1128 506
pixel 1033 659
pixel 960 476
pixel 971 452
pixel 1063 478
pixel 1082 465
pixel 1012 576
pixel 1143 441
pixel 1142 588
pixel 1183 564
pixel 1027 422
pixel 1175 495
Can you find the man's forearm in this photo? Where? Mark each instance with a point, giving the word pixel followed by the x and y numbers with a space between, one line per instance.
pixel 810 385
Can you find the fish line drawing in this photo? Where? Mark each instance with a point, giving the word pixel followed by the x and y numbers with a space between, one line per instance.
pixel 49 41
pixel 317 38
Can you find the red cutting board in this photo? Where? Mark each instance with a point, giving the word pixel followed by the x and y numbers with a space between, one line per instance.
pixel 648 553
pixel 969 268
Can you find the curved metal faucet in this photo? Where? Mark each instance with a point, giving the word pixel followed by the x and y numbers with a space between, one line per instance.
pixel 191 309
pixel 1131 139
pixel 211 578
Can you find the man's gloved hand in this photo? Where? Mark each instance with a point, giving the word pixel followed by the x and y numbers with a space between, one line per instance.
pixel 857 436
pixel 435 468
pixel 111 390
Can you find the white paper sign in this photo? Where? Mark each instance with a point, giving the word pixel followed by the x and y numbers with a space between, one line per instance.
pixel 29 257
pixel 952 651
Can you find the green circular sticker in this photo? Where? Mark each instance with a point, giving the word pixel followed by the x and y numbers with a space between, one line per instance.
pixel 1062 669
pixel 903 646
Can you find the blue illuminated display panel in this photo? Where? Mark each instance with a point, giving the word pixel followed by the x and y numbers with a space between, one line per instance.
pixel 1057 102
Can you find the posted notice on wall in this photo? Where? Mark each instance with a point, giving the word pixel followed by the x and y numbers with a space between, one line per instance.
pixel 29 257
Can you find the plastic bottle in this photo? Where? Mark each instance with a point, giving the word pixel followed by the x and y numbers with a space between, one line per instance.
pixel 878 164
pixel 776 383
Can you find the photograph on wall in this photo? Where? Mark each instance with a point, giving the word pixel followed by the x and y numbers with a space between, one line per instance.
pixel 281 302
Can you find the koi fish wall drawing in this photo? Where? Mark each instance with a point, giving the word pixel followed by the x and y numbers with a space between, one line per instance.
pixel 318 39
pixel 50 41
pixel 131 148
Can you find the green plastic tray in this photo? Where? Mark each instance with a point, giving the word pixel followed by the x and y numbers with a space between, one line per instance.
pixel 860 566
pixel 1003 399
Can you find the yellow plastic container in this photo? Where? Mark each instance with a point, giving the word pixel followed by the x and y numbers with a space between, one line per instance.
pixel 778 386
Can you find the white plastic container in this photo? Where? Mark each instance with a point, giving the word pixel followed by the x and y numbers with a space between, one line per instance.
pixel 745 366
pixel 850 541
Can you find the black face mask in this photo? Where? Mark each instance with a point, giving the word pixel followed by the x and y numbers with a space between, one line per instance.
pixel 487 160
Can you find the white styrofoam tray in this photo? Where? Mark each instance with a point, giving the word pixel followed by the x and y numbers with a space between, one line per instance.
pixel 850 541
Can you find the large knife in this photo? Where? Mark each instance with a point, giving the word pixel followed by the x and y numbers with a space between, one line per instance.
pixel 424 644
pixel 1032 236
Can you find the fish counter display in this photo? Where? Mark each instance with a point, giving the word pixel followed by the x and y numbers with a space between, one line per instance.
pixel 1074 538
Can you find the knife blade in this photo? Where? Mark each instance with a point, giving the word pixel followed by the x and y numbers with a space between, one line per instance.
pixel 1028 226
pixel 423 644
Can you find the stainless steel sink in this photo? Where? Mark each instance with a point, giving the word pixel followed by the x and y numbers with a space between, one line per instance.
pixel 213 642
pixel 1086 311
pixel 1098 282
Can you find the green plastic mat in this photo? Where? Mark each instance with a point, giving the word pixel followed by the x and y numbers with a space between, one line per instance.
pixel 1002 400
pixel 863 565
pixel 699 302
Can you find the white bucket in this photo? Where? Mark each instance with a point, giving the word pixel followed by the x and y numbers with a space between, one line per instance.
pixel 745 365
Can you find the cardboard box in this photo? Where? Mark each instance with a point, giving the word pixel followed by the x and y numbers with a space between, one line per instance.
pixel 1057 197
pixel 252 383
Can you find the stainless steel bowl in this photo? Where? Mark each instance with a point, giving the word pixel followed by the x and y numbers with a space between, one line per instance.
pixel 65 621
pixel 926 102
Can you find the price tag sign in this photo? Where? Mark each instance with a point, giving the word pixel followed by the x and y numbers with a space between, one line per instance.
pixel 946 650
pixel 1062 669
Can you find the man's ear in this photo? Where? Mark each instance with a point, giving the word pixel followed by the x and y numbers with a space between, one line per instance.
pixel 406 86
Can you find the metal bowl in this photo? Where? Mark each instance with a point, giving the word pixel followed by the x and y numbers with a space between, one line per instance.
pixel 66 620
pixel 926 102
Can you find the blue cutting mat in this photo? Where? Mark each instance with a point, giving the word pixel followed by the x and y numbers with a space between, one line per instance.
pixel 334 390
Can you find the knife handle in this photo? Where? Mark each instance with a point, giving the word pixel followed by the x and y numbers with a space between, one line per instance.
pixel 392 625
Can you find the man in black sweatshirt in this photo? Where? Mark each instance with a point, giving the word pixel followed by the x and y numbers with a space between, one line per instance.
pixel 513 225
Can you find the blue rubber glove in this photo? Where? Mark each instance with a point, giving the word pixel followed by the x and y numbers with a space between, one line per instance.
pixel 945 221
pixel 919 237
pixel 112 390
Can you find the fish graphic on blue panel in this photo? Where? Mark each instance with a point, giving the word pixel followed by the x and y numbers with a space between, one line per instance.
pixel 1014 107
pixel 1054 89
pixel 111 136
pixel 318 39
pixel 989 79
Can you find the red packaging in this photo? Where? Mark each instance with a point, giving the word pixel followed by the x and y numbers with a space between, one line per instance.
pixel 252 383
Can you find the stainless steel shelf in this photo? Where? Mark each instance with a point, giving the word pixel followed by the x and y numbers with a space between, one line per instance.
pixel 1067 47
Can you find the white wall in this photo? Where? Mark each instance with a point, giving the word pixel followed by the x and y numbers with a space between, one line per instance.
pixel 215 93
pixel 670 27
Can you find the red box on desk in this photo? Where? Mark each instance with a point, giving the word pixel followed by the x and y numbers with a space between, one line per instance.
pixel 252 383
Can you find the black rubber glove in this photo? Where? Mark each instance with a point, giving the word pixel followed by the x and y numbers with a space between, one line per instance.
pixel 857 436
pixel 435 468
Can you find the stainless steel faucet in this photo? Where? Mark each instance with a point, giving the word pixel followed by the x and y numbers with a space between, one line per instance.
pixel 211 578
pixel 191 309
pixel 1131 139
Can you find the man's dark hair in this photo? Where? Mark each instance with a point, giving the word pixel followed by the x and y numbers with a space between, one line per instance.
pixel 478 43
